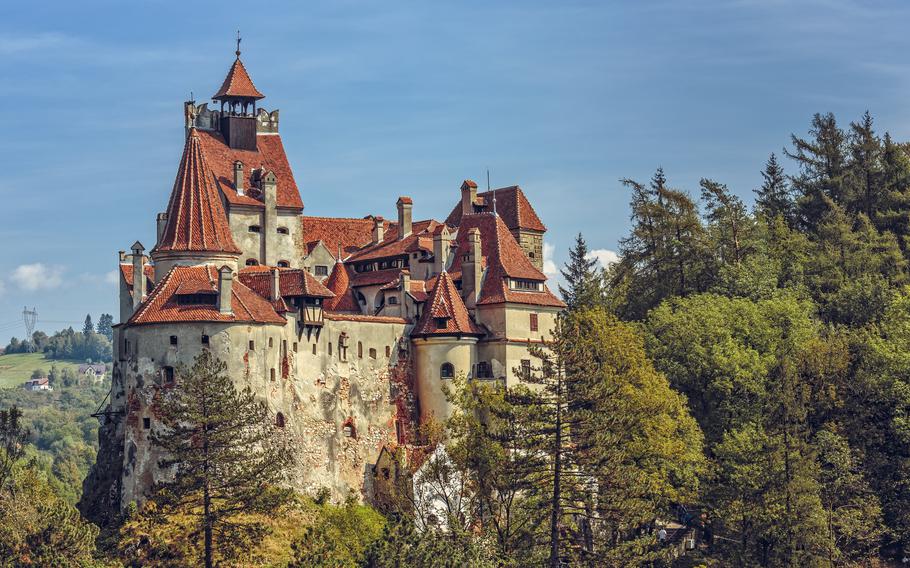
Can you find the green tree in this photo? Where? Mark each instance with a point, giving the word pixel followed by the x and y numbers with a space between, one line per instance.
pixel 105 326
pixel 774 198
pixel 227 453
pixel 88 327
pixel 13 439
pixel 339 538
pixel 401 544
pixel 584 287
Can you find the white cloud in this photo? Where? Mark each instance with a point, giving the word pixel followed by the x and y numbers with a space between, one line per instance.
pixel 605 257
pixel 38 276
pixel 549 265
pixel 111 277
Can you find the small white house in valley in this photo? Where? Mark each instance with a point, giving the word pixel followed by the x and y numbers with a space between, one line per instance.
pixel 41 383
pixel 95 372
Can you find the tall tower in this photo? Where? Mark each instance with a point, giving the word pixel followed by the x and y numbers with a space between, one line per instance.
pixel 238 97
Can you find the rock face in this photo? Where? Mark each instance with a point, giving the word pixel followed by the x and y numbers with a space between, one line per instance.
pixel 100 502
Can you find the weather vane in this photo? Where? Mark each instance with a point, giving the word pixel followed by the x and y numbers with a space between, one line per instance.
pixel 238 44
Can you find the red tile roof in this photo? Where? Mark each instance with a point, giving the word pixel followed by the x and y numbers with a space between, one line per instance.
pixel 338 283
pixel 195 218
pixel 445 312
pixel 269 156
pixel 421 238
pixel 503 258
pixel 238 84
pixel 374 277
pixel 162 306
pixel 347 234
pixel 126 272
pixel 511 204
pixel 291 282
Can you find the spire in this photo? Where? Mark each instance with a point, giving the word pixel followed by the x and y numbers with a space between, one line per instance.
pixel 196 221
pixel 444 312
pixel 238 85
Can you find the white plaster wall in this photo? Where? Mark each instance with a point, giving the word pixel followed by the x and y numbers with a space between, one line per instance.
pixel 429 355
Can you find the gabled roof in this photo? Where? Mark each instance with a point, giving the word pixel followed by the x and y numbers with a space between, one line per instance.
pixel 511 205
pixel 291 282
pixel 339 284
pixel 336 233
pixel 421 238
pixel 268 156
pixel 162 305
pixel 126 272
pixel 195 218
pixel 503 259
pixel 444 312
pixel 238 84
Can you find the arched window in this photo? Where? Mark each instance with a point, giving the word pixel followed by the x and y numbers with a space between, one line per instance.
pixel 283 264
pixel 279 420
pixel 447 371
pixel 372 353
pixel 283 230
pixel 252 262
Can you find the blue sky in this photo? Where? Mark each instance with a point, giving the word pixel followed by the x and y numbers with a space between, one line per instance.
pixel 380 99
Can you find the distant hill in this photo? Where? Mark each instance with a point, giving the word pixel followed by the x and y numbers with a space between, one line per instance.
pixel 17 368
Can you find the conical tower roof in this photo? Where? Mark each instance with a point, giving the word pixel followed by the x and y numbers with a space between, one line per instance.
pixel 196 221
pixel 238 84
pixel 444 312
pixel 339 283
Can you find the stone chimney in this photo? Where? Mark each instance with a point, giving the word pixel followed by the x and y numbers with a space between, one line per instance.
pixel 468 196
pixel 161 221
pixel 225 283
pixel 270 226
pixel 471 269
pixel 378 230
pixel 405 288
pixel 138 274
pixel 121 255
pixel 441 246
pixel 275 288
pixel 238 177
pixel 404 216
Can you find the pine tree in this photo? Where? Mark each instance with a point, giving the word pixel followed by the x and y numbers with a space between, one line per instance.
pixel 88 328
pixel 867 193
pixel 774 197
pixel 105 326
pixel 824 173
pixel 727 214
pixel 583 282
pixel 227 453
pixel 13 437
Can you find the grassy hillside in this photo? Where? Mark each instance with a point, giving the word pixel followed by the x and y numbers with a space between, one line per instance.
pixel 16 369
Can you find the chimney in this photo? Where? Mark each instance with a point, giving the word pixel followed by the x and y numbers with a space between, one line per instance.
pixel 225 283
pixel 238 177
pixel 404 216
pixel 405 288
pixel 468 196
pixel 138 274
pixel 121 254
pixel 471 269
pixel 270 228
pixel 161 221
pixel 275 288
pixel 378 230
pixel 441 247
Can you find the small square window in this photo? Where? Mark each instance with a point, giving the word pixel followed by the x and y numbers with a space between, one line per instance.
pixel 372 353
pixel 146 423
pixel 205 339
pixel 322 270
pixel 174 340
pixel 168 375
pixel 295 347
pixel 388 351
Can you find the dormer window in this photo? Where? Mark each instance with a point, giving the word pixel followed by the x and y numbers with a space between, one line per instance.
pixel 201 299
pixel 526 285
pixel 441 322
pixel 283 264
pixel 252 262
pixel 321 270
pixel 255 229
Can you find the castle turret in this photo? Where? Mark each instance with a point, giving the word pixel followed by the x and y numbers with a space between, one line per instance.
pixel 238 97
pixel 196 229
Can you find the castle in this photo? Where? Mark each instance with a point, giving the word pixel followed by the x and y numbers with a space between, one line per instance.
pixel 348 328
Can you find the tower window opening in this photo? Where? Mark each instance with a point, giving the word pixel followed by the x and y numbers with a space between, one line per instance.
pixel 252 262
pixel 372 353
pixel 146 423
pixel 283 231
pixel 447 371
pixel 205 339
pixel 283 264
pixel 272 374
pixel 279 420
pixel 254 228
pixel 314 349
pixel 174 340
pixel 168 375
pixel 359 350
pixel 252 345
